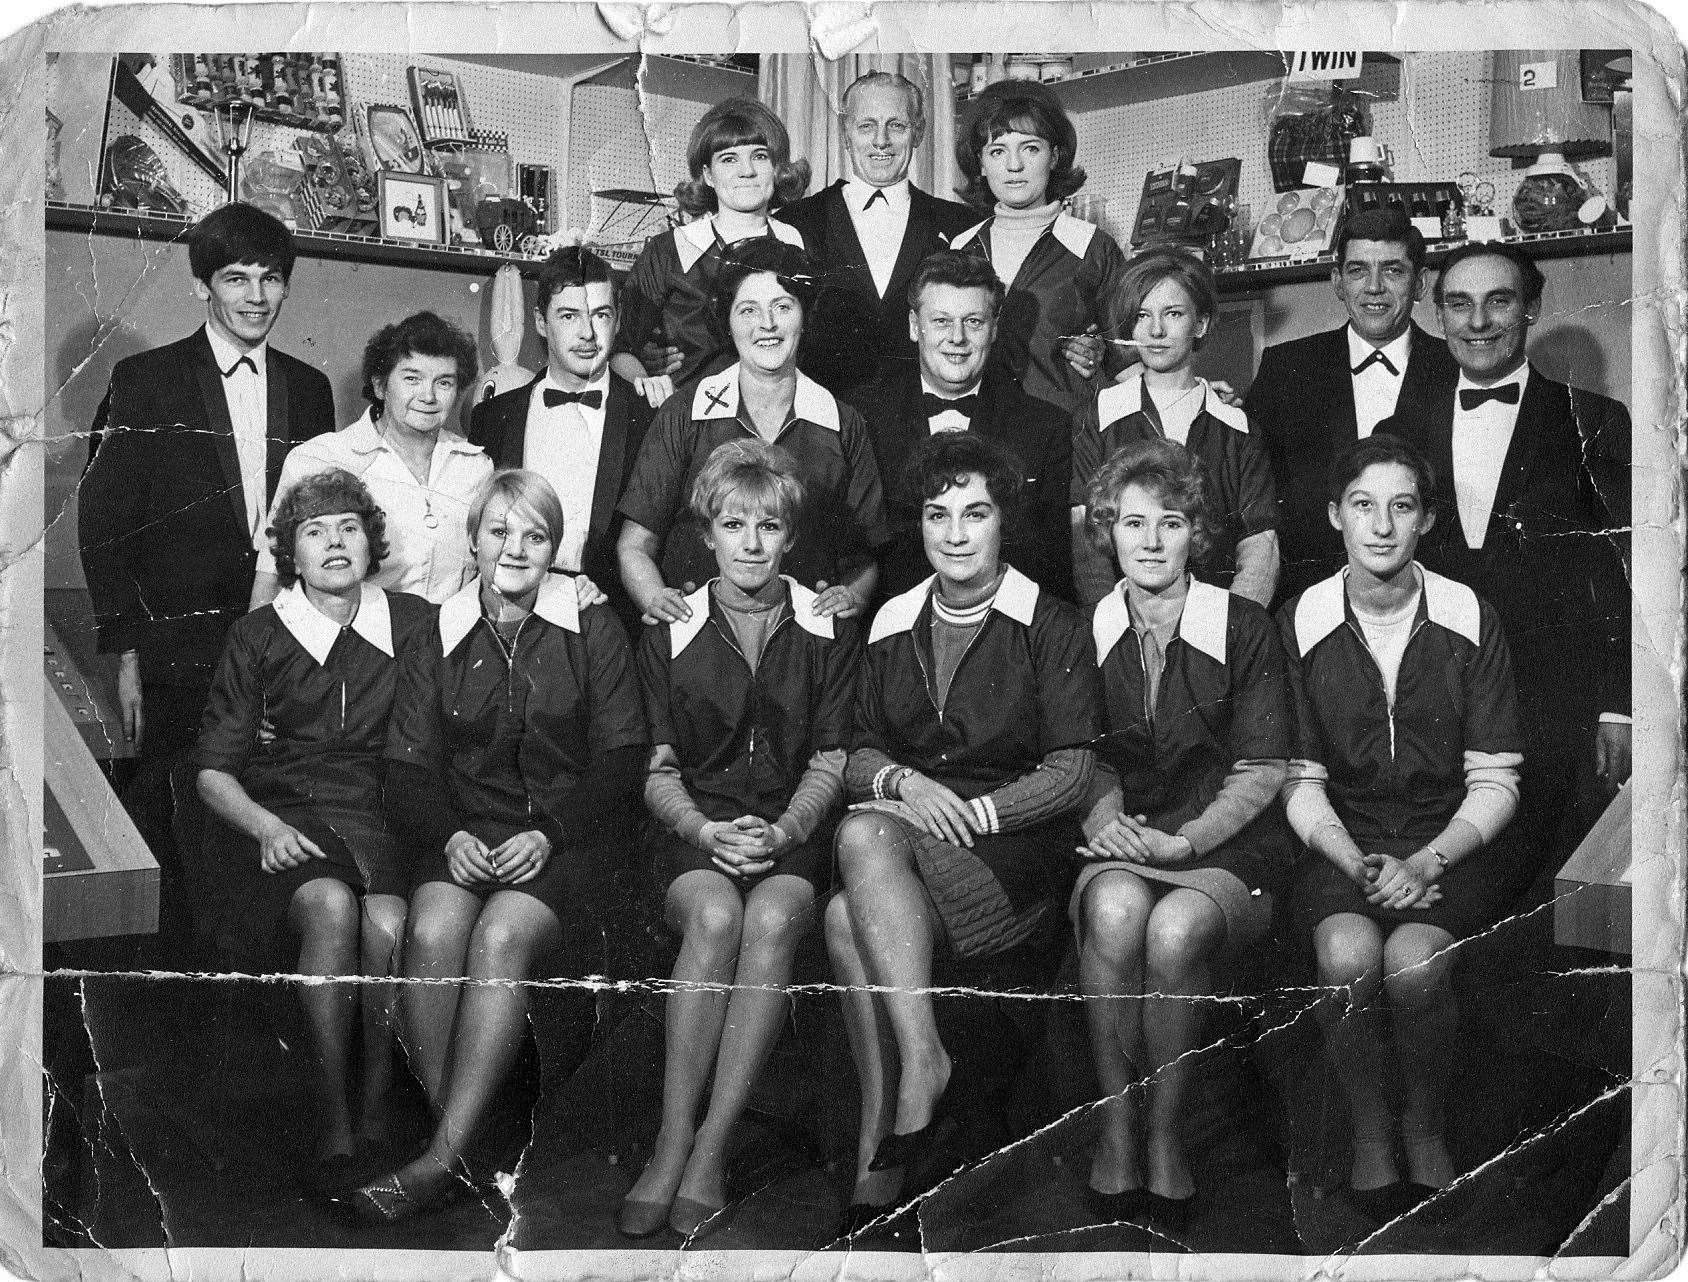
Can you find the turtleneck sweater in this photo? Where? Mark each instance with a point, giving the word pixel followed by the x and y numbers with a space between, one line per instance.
pixel 1014 233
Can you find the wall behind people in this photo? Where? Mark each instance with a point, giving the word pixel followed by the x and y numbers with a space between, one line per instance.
pixel 117 299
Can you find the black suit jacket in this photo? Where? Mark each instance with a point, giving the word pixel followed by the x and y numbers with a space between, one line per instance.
pixel 1035 432
pixel 854 331
pixel 1302 404
pixel 1552 561
pixel 161 512
pixel 499 426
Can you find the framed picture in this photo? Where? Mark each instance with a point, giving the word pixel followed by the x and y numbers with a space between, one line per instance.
pixel 412 207
pixel 393 143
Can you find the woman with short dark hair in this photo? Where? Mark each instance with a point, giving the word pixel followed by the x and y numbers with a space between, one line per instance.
pixel 978 702
pixel 517 735
pixel 307 855
pixel 421 471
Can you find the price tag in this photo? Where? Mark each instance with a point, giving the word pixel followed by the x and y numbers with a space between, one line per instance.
pixel 1538 75
pixel 1320 174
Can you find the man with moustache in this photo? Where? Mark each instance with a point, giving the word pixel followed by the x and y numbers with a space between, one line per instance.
pixel 867 233
pixel 1532 484
pixel 188 445
pixel 574 425
pixel 1315 395
pixel 954 301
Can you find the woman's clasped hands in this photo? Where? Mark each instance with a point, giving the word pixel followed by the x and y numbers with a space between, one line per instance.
pixel 1130 838
pixel 512 862
pixel 746 847
pixel 1398 883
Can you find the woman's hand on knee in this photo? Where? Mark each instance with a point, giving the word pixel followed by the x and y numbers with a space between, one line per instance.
pixel 282 846
pixel 939 810
pixel 521 858
pixel 1117 839
pixel 468 860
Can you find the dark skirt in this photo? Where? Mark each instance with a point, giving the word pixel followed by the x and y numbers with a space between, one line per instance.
pixel 992 896
pixel 246 908
pixel 564 885
pixel 1476 892
pixel 1228 875
pixel 671 856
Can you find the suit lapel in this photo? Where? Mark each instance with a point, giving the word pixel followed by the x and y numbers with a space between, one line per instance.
pixel 1533 410
pixel 845 245
pixel 1339 393
pixel 221 426
pixel 512 442
pixel 278 425
pixel 918 237
pixel 612 457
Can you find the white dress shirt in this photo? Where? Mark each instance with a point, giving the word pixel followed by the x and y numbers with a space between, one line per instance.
pixel 1481 438
pixel 1376 390
pixel 247 392
pixel 562 444
pixel 879 228
pixel 949 420
pixel 428 551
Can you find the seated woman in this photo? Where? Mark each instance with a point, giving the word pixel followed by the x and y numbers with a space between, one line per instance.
pixel 740 161
pixel 762 294
pixel 970 756
pixel 405 448
pixel 1167 298
pixel 517 736
pixel 310 856
pixel 1184 842
pixel 749 703
pixel 1403 782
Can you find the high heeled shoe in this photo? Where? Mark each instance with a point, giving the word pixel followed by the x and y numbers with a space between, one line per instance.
pixel 638 1218
pixel 901 1150
pixel 1116 1208
pixel 1386 1202
pixel 387 1201
pixel 1169 1215
pixel 695 1220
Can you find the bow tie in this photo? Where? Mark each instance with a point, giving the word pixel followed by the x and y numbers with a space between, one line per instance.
pixel 591 399
pixel 878 193
pixel 1376 358
pixel 936 405
pixel 1471 397
pixel 244 360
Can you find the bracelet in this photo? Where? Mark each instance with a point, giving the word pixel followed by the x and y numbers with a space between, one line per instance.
pixel 1438 855
pixel 894 785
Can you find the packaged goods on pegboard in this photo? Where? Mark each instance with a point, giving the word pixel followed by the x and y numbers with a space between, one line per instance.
pixel 301 90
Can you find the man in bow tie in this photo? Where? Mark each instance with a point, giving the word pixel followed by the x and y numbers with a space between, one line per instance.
pixel 188 445
pixel 574 424
pixel 1532 484
pixel 952 306
pixel 867 233
pixel 1315 395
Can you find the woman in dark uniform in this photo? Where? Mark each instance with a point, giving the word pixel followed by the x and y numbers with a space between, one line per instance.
pixel 1062 273
pixel 1404 781
pixel 517 736
pixel 1184 843
pixel 749 704
pixel 305 853
pixel 740 161
pixel 969 760
pixel 1167 297
pixel 763 293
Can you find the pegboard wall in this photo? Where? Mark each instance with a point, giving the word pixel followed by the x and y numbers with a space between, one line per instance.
pixel 1437 126
pixel 609 147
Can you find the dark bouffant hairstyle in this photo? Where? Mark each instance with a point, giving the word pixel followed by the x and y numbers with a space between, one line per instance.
pixel 424 334
pixel 960 270
pixel 1379 447
pixel 944 461
pixel 753 256
pixel 739 122
pixel 1023 107
pixel 1391 225
pixel 1151 267
pixel 239 233
pixel 1530 278
pixel 323 494
pixel 1166 469
pixel 572 267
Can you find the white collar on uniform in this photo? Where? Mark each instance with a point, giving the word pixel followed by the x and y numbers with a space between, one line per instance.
pixel 1074 234
pixel 226 353
pixel 1016 596
pixel 718 397
pixel 1207 610
pixel 1117 400
pixel 317 632
pixel 558 602
pixel 692 240
pixel 683 633
pixel 1448 603
pixel 363 437
pixel 857 193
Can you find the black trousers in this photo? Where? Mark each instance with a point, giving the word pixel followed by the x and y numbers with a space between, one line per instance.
pixel 163 800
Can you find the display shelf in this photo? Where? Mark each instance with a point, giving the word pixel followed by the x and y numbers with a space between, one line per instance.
pixel 675 76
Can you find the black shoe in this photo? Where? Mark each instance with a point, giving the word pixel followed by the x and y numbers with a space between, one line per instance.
pixel 902 1150
pixel 858 1216
pixel 330 1175
pixel 1169 1215
pixel 1116 1208
pixel 1385 1203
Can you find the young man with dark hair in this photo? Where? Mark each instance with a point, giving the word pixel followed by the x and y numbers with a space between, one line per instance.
pixel 1314 395
pixel 954 301
pixel 575 425
pixel 187 447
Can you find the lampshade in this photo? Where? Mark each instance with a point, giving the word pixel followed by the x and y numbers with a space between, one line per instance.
pixel 1527 122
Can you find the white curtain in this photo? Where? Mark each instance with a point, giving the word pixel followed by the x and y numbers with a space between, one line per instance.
pixel 806 91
